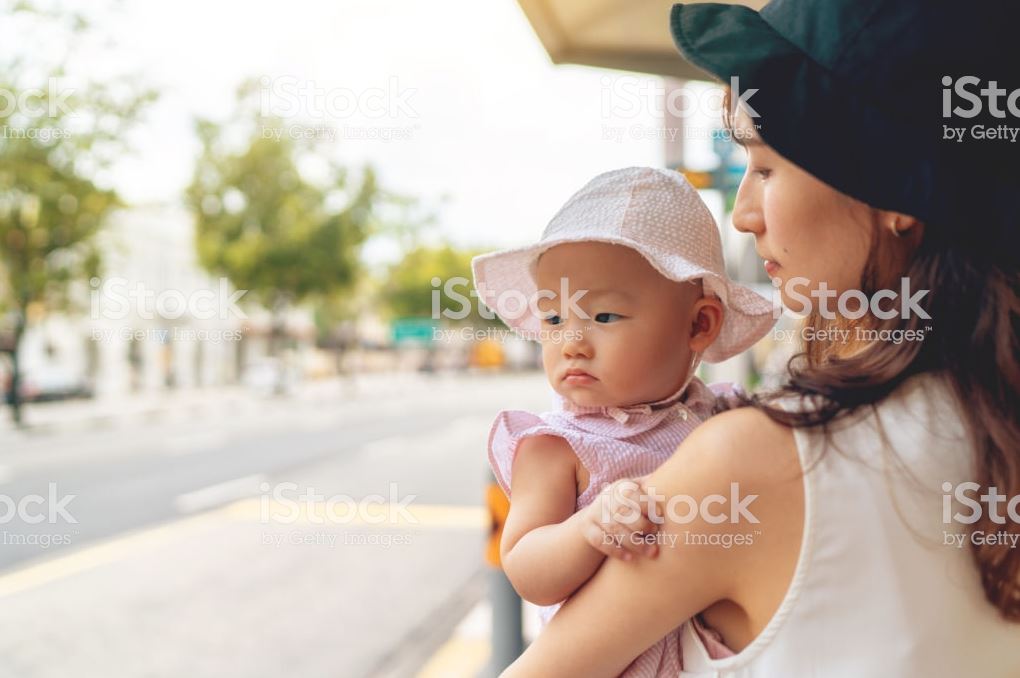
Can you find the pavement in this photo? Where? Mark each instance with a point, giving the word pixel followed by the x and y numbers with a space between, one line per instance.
pixel 208 541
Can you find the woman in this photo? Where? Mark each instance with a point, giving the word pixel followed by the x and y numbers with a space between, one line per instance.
pixel 850 557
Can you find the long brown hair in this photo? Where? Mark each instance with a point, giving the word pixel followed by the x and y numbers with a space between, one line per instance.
pixel 974 339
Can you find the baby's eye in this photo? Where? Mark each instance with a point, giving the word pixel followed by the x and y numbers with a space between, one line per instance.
pixel 607 317
pixel 762 172
pixel 553 319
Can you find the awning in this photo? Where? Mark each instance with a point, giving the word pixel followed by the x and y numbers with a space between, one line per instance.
pixel 629 35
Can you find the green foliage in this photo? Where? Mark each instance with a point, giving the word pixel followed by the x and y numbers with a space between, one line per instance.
pixel 58 135
pixel 260 222
pixel 407 289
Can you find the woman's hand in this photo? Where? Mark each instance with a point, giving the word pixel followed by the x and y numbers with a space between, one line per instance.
pixel 616 523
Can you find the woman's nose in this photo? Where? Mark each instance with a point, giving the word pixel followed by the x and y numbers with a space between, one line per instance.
pixel 747 213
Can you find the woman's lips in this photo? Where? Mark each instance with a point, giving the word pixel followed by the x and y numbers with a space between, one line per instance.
pixel 771 267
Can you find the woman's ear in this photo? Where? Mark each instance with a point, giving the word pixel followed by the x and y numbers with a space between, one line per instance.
pixel 899 224
pixel 707 319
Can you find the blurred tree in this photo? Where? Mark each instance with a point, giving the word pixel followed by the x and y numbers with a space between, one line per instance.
pixel 59 135
pixel 409 286
pixel 402 222
pixel 285 236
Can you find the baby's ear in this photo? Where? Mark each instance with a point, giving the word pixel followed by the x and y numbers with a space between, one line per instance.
pixel 706 322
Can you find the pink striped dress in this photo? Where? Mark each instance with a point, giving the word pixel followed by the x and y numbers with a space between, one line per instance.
pixel 614 443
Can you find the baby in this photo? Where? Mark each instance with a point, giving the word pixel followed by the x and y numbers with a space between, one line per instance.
pixel 627 292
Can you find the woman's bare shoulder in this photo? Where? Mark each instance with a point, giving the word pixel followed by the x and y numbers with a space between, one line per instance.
pixel 741 445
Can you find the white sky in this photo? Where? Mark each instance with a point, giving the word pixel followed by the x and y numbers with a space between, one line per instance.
pixel 494 125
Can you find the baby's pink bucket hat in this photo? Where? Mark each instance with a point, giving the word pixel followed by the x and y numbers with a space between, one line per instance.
pixel 659 214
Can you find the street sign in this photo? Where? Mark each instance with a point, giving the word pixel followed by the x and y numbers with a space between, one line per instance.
pixel 412 330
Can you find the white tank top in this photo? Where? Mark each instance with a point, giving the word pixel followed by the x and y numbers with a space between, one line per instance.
pixel 877 592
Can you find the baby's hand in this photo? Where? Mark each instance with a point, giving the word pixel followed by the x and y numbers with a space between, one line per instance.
pixel 616 522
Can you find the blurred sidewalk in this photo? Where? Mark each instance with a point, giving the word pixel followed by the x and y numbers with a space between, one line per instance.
pixel 211 402
pixel 466 653
pixel 253 580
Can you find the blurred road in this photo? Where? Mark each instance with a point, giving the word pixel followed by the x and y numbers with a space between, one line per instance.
pixel 213 539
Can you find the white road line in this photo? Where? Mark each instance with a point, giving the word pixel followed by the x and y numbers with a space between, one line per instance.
pixel 218 494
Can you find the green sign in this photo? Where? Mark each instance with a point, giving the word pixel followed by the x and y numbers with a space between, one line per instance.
pixel 412 330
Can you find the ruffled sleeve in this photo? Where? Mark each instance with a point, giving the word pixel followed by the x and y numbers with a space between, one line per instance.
pixel 513 426
pixel 727 393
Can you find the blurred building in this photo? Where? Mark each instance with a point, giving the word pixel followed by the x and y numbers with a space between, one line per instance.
pixel 155 320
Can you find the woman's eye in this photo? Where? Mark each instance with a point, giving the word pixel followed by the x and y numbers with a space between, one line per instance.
pixel 607 317
pixel 552 319
pixel 762 172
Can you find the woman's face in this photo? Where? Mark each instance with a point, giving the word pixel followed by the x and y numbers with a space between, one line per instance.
pixel 808 233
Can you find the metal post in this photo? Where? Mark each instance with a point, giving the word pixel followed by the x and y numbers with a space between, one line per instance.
pixel 507 617
pixel 507 622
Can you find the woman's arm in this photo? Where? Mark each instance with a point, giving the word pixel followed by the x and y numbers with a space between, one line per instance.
pixel 627 606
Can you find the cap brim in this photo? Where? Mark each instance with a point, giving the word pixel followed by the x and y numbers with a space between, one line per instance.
pixel 727 40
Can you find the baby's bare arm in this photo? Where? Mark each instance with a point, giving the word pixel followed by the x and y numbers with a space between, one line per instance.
pixel 543 550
